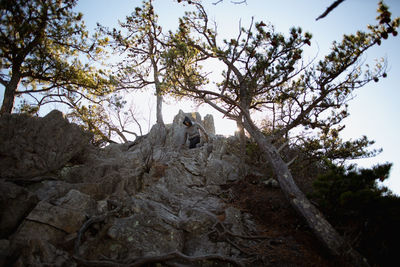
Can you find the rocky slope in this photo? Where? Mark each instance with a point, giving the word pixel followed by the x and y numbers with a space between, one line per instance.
pixel 66 203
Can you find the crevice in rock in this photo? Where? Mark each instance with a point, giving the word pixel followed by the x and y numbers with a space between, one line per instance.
pixel 47 224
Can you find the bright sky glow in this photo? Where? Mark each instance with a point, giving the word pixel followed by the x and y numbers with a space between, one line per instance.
pixel 374 110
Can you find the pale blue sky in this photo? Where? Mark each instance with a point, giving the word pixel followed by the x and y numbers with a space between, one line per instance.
pixel 374 111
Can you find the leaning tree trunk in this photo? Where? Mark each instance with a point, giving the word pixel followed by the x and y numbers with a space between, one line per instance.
pixel 314 218
pixel 242 137
pixel 9 95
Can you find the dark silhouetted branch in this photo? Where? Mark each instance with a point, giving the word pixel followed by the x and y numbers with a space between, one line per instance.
pixel 329 9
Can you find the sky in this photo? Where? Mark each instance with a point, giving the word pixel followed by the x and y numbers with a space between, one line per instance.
pixel 375 110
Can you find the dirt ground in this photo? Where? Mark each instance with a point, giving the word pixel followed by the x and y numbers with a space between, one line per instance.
pixel 291 242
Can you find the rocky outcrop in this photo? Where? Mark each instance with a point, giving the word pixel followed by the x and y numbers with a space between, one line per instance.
pixel 15 204
pixel 141 202
pixel 175 135
pixel 31 146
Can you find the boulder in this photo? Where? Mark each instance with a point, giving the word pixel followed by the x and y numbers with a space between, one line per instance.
pixel 150 222
pixel 15 203
pixel 52 221
pixel 33 146
pixel 64 219
pixel 37 252
pixel 48 225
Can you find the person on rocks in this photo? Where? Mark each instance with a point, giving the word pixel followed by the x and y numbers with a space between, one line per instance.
pixel 192 131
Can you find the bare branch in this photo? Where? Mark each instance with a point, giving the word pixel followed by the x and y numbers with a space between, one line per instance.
pixel 233 2
pixel 93 220
pixel 291 161
pixel 239 2
pixel 329 9
pixel 219 1
pixel 283 146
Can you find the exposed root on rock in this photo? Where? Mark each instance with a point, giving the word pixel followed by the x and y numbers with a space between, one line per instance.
pixel 94 219
pixel 140 261
pixel 176 255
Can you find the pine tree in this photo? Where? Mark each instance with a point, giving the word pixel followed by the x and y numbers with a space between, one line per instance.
pixel 41 47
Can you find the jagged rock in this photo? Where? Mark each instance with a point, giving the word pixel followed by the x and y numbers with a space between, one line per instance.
pixel 209 124
pixel 175 135
pixel 64 219
pixel 48 225
pixel 38 252
pixel 15 203
pixel 151 221
pixel 64 215
pixel 169 199
pixel 110 171
pixel 223 167
pixel 32 146
pixel 157 135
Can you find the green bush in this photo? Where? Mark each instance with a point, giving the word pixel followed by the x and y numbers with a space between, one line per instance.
pixel 364 211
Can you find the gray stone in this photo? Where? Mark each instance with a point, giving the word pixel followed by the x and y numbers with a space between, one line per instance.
pixel 169 198
pixel 38 252
pixel 136 232
pixel 15 203
pixel 32 146
pixel 64 219
pixel 75 200
pixel 209 124
pixel 51 222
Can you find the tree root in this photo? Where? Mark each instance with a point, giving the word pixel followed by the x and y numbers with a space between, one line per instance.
pixel 94 219
pixel 222 231
pixel 140 261
pixel 223 234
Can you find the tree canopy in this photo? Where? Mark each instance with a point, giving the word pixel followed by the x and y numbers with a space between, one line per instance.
pixel 265 71
pixel 42 44
pixel 139 42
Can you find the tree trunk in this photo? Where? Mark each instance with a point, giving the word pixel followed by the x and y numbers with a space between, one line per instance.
pixel 314 218
pixel 158 94
pixel 242 146
pixel 242 137
pixel 9 95
pixel 159 108
pixel 153 53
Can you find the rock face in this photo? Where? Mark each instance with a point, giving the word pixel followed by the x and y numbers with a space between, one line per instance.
pixel 15 204
pixel 32 146
pixel 141 202
pixel 175 136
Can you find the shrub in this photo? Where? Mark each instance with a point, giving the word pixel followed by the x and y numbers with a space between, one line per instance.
pixel 365 212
